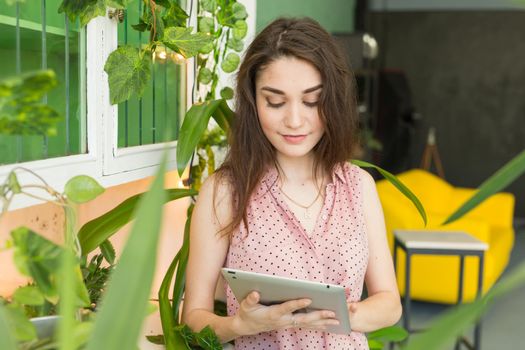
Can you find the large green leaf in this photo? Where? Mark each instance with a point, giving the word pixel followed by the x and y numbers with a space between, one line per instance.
pixel 446 328
pixel 392 333
pixel 501 179
pixel 398 184
pixel 124 307
pixel 19 324
pixel 28 295
pixel 96 231
pixel 172 340
pixel 40 259
pixel 180 278
pixel 7 341
pixel 67 288
pixel 193 126
pixel 128 72
pixel 82 188
pixel 223 115
pixel 81 8
pixel 175 16
pixel 181 40
pixel 95 9
pixel 21 109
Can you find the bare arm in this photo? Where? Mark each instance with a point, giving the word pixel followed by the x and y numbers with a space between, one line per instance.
pixel 382 308
pixel 207 255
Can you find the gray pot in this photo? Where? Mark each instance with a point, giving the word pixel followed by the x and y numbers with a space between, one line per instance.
pixel 45 326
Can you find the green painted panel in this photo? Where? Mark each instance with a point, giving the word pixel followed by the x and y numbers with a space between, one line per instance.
pixel 336 16
pixel 149 119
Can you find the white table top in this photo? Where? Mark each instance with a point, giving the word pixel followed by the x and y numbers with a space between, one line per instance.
pixel 426 239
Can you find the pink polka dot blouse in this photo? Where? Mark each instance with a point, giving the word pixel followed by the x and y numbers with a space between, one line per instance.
pixel 336 252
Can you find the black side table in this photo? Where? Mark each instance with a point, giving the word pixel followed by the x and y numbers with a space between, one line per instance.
pixel 440 243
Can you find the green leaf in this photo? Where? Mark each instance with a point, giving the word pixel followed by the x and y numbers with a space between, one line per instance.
pixel 28 295
pixel 40 259
pixel 181 40
pixel 175 16
pixel 446 328
pixel 185 333
pixel 392 333
pixel 82 188
pixel 67 301
pixel 206 25
pixel 128 73
pixel 398 184
pixel 118 4
pixel 235 44
pixel 206 49
pixel 7 341
pixel 227 93
pixel 171 338
pixel 208 5
pixel 180 278
pixel 240 28
pixel 375 345
pixel 231 62
pixel 19 324
pixel 119 319
pixel 95 9
pixel 239 10
pixel 205 76
pixel 207 339
pixel 141 26
pixel 148 18
pixel 13 183
pixel 223 115
pixel 96 231
pixel 497 182
pixel 107 250
pixel 74 8
pixel 21 108
pixel 193 126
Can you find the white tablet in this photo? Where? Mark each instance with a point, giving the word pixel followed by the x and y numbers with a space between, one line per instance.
pixel 276 289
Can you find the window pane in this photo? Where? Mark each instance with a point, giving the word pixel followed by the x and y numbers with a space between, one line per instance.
pixel 34 36
pixel 155 117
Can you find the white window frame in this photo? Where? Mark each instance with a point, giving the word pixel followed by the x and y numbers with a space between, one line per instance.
pixel 104 161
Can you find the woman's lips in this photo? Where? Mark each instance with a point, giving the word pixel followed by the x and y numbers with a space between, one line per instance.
pixel 294 139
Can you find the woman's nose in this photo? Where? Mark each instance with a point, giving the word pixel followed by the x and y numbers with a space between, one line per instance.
pixel 294 118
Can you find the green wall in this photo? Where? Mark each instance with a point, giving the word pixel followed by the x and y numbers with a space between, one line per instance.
pixel 336 16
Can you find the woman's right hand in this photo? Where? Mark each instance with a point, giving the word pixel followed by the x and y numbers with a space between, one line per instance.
pixel 253 318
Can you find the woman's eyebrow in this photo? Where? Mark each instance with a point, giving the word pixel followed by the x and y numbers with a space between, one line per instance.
pixel 280 92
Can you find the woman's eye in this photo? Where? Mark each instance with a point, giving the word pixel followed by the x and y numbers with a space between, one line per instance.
pixel 311 104
pixel 274 105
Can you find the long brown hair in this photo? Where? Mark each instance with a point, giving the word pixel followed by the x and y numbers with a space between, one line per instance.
pixel 250 152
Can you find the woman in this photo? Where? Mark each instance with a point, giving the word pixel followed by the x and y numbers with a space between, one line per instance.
pixel 286 202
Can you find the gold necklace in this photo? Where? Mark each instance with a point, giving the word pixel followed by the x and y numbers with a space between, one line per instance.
pixel 305 207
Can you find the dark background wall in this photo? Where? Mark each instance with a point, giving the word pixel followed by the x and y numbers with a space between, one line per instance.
pixel 466 70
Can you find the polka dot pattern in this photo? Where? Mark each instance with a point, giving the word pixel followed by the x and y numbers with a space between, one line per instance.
pixel 275 243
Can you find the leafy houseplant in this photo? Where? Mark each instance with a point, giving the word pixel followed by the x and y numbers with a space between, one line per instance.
pixel 118 322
